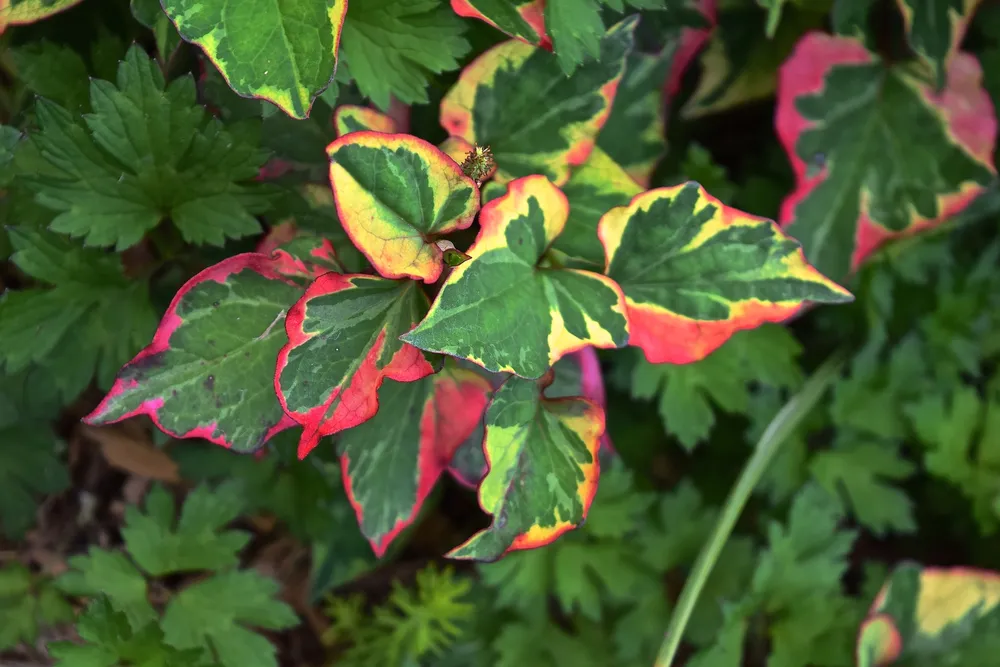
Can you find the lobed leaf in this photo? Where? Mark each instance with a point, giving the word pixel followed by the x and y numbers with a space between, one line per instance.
pixel 282 52
pixel 935 31
pixel 353 118
pixel 508 309
pixel 391 462
pixel 343 340
pixel 395 194
pixel 522 19
pixel 543 469
pixel 207 373
pixel 497 99
pixel 922 614
pixel 694 271
pixel 866 142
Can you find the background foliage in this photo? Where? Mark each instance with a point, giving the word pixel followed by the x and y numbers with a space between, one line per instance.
pixel 142 144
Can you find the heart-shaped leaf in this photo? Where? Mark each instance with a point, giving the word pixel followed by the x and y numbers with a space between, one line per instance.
pixel 523 19
pixel 508 309
pixel 283 52
pixel 392 461
pixel 867 143
pixel 343 340
pixel 922 614
pixel 543 469
pixel 516 99
pixel 349 118
pixel 694 271
pixel 395 193
pixel 207 373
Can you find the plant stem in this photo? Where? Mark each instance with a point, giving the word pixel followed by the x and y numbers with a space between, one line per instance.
pixel 784 424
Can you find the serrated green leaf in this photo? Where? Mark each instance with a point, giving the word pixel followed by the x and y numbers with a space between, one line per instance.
pixel 216 613
pixel 865 471
pixel 198 541
pixel 506 287
pixel 283 52
pixel 111 574
pixel 496 100
pixel 145 154
pixel 393 49
pixel 27 604
pixel 207 372
pixel 30 470
pixel 846 121
pixel 55 72
pixel 576 28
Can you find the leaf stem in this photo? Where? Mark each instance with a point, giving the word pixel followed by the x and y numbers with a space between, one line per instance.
pixel 784 423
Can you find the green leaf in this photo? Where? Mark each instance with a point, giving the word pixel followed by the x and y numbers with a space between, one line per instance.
pixel 110 640
pixel 550 447
pixel 111 574
pixel 922 614
pixel 283 52
pixel 361 318
pixel 146 153
pixel 28 603
pixel 150 13
pixel 694 271
pixel 593 189
pixel 395 195
pixel 864 471
pixel 633 135
pixel 215 615
pixel 196 542
pixel 935 31
pixel 208 371
pixel 497 99
pixel 847 123
pixel 391 464
pixel 506 287
pixel 764 356
pixel 576 28
pixel 89 322
pixel 393 49
pixel 55 72
pixel 30 470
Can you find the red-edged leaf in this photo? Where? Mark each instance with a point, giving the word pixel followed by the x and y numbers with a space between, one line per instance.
pixel 576 374
pixel 353 118
pixel 523 19
pixel 694 271
pixel 395 195
pixel 207 373
pixel 543 469
pixel 343 340
pixel 391 462
pixel 877 153
pixel 690 42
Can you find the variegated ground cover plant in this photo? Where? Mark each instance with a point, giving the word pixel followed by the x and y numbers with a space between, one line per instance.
pixel 337 227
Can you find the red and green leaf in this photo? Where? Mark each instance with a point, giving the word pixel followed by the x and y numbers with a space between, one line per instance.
pixel 395 195
pixel 594 189
pixel 695 271
pixel 922 614
pixel 498 99
pixel 509 309
pixel 349 118
pixel 935 30
pixel 543 469
pixel 391 462
pixel 283 52
pixel 522 19
pixel 207 373
pixel 866 143
pixel 633 135
pixel 305 258
pixel 22 12
pixel 343 340
pixel 689 43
